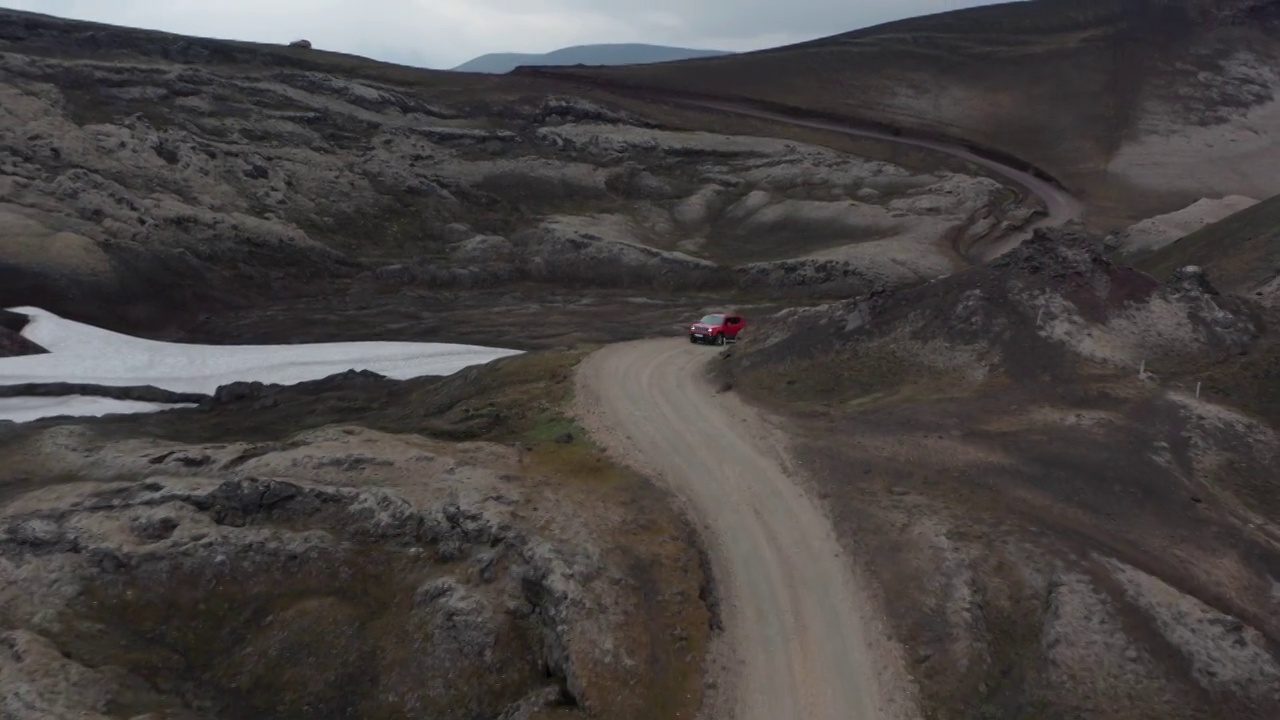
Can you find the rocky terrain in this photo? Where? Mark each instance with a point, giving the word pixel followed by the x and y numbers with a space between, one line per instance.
pixel 1084 311
pixel 217 192
pixel 276 553
pixel 1142 106
pixel 1242 254
pixel 1057 469
pixel 147 180
pixel 1089 533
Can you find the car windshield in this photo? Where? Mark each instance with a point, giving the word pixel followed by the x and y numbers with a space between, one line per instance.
pixel 712 320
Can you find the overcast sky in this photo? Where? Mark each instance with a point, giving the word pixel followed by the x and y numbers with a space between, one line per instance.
pixel 446 33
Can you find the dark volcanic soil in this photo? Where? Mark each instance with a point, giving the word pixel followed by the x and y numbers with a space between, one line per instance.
pixel 1054 534
pixel 1103 552
pixel 521 317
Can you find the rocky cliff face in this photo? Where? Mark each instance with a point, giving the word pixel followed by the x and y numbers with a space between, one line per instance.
pixel 145 179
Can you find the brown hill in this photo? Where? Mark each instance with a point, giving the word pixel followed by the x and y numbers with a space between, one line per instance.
pixel 1142 106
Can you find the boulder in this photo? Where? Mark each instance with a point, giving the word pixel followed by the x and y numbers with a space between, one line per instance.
pixel 1193 278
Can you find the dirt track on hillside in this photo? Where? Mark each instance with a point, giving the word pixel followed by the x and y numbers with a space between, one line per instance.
pixel 798 638
pixel 1060 205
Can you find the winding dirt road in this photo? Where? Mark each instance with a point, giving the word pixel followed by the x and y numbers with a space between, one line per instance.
pixel 797 628
pixel 1060 205
pixel 798 648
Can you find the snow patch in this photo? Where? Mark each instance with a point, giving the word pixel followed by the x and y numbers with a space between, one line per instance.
pixel 80 353
pixel 26 409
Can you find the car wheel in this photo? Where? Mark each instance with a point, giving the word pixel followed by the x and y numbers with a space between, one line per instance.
pixel 693 340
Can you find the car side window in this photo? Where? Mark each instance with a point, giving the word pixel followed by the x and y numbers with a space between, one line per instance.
pixel 734 320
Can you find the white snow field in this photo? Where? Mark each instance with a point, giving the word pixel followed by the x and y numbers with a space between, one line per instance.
pixel 80 353
pixel 24 409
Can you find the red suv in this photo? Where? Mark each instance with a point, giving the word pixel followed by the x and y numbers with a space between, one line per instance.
pixel 717 328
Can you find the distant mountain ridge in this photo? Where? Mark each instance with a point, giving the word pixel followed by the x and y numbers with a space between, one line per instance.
pixel 606 54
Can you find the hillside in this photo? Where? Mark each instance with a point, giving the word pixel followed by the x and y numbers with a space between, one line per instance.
pixel 353 547
pixel 1062 522
pixel 1142 106
pixel 1242 254
pixel 1241 251
pixel 605 54
pixel 154 181
pixel 356 546
pixel 191 189
pixel 1050 475
pixel 1152 234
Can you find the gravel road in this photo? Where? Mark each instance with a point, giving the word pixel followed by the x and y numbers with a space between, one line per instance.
pixel 797 641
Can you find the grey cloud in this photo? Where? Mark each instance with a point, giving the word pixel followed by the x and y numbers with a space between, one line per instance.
pixel 444 33
pixel 753 18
